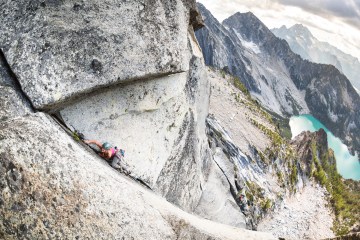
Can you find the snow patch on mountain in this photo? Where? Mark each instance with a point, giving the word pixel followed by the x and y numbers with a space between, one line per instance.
pixel 333 116
pixel 249 45
pixel 278 91
pixel 358 91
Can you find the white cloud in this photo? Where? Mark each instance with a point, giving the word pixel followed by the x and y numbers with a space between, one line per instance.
pixel 328 21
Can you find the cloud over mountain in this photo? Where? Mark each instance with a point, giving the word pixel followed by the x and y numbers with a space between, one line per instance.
pixel 347 10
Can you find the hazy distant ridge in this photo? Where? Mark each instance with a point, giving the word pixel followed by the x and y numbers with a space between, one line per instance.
pixel 302 42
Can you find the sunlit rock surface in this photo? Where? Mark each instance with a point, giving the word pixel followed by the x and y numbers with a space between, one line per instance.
pixel 161 125
pixel 62 49
pixel 12 102
pixel 51 187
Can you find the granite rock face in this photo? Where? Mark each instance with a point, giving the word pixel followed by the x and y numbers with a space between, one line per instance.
pixel 61 50
pixel 240 172
pixel 51 187
pixel 216 202
pixel 47 192
pixel 161 125
pixel 12 102
pixel 130 73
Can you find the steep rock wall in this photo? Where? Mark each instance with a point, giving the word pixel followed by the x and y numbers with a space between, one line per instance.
pixel 216 202
pixel 61 49
pixel 12 102
pixel 161 125
pixel 51 187
pixel 130 73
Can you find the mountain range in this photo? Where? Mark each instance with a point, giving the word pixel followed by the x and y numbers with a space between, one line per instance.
pixel 302 42
pixel 203 156
pixel 279 78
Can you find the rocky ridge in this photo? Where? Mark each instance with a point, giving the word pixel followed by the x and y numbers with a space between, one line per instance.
pixel 278 172
pixel 46 192
pixel 318 162
pixel 51 187
pixel 279 78
pixel 308 213
pixel 267 172
pixel 302 42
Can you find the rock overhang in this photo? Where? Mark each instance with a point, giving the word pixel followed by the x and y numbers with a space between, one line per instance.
pixel 60 51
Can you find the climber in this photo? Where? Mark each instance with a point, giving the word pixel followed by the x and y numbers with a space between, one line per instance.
pixel 114 155
pixel 106 151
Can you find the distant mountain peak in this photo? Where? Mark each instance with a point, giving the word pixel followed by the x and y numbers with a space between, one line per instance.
pixel 301 29
pixel 250 26
pixel 305 44
pixel 206 14
pixel 279 78
pixel 296 29
pixel 298 26
pixel 249 14
pixel 244 16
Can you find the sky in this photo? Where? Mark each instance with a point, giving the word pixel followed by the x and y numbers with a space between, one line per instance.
pixel 334 21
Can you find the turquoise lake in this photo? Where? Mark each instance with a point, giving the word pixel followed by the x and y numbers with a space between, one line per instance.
pixel 347 165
